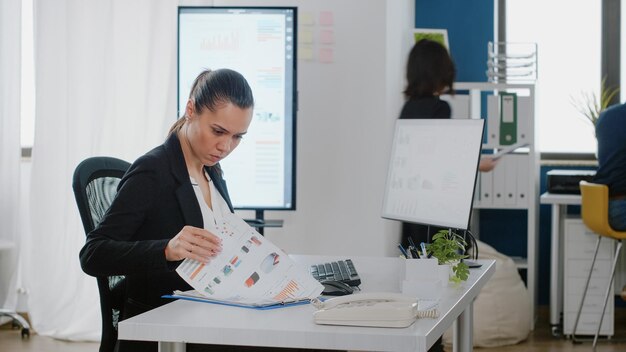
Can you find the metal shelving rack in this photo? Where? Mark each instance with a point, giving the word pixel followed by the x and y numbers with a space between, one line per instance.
pixel 526 196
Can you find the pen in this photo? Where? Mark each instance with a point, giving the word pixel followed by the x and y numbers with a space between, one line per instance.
pixel 424 253
pixel 411 243
pixel 413 248
pixel 404 253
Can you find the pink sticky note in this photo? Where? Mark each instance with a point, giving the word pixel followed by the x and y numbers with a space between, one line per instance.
pixel 327 36
pixel 326 18
pixel 326 55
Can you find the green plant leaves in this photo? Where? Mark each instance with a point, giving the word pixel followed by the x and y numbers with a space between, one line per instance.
pixel 449 247
pixel 590 106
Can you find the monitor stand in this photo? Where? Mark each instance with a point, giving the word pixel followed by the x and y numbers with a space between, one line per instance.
pixel 260 223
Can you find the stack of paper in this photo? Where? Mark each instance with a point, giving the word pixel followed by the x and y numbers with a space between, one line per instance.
pixel 250 270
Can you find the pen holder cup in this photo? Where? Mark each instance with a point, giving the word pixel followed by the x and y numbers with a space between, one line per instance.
pixel 423 278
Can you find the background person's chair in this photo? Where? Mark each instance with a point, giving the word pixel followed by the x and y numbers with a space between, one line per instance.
pixel 95 186
pixel 595 214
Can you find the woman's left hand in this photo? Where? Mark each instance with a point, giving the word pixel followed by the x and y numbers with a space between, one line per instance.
pixel 193 243
pixel 487 164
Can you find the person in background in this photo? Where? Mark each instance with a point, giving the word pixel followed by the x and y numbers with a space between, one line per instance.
pixel 169 197
pixel 430 72
pixel 611 136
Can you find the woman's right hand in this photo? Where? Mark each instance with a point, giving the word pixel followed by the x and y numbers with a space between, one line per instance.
pixel 193 243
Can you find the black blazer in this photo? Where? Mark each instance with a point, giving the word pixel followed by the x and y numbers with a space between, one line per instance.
pixel 155 200
pixel 426 108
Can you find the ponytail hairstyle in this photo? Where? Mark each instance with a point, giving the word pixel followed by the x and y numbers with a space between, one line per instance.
pixel 214 88
pixel 211 89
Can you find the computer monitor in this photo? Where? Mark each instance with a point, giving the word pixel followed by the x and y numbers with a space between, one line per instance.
pixel 432 171
pixel 260 43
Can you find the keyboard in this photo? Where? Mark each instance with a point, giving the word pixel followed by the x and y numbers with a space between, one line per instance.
pixel 341 270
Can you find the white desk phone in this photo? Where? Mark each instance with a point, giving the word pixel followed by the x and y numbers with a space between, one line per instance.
pixel 384 309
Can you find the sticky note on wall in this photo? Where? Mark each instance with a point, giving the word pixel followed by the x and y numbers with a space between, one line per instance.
pixel 326 18
pixel 327 36
pixel 326 55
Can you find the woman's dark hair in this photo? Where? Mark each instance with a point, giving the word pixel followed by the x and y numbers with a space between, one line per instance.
pixel 213 88
pixel 429 70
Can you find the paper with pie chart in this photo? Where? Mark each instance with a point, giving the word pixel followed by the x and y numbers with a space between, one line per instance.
pixel 250 270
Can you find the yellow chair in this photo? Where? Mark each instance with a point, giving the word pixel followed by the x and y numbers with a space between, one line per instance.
pixel 595 214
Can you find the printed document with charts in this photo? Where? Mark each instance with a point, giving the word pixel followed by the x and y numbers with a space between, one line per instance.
pixel 250 271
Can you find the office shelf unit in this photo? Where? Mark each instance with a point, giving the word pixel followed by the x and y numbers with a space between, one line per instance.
pixel 514 183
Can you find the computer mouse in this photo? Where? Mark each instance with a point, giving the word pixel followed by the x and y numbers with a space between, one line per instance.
pixel 336 288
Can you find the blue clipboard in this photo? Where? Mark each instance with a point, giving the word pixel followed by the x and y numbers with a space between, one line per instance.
pixel 241 305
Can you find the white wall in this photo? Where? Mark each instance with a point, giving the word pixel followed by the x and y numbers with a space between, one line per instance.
pixel 344 128
pixel 347 109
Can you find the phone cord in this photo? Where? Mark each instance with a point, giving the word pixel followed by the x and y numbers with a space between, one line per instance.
pixel 317 303
pixel 432 313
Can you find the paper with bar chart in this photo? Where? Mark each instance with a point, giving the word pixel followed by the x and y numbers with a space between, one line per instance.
pixel 250 270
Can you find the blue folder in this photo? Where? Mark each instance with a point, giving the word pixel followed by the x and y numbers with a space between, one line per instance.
pixel 267 306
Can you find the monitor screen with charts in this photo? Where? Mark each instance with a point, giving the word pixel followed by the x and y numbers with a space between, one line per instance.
pixel 260 43
pixel 432 171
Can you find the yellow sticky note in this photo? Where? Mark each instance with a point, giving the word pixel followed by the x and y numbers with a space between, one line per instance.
pixel 305 36
pixel 307 19
pixel 305 52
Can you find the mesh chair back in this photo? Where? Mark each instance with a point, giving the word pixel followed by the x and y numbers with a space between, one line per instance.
pixel 95 184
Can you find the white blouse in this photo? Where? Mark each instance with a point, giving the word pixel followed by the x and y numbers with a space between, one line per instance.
pixel 210 217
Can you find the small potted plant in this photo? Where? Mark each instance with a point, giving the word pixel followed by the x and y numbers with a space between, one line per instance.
pixel 449 248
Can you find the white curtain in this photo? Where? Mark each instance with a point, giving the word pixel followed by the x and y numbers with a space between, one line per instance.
pixel 10 56
pixel 105 85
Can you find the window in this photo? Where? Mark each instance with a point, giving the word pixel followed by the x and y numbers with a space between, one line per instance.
pixel 568 35
pixel 622 66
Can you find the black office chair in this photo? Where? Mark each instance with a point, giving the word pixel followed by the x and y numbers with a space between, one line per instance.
pixel 95 185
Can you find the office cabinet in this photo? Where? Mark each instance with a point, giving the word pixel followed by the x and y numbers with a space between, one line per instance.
pixel 580 244
pixel 514 183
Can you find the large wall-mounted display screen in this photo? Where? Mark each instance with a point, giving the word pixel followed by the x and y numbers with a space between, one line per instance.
pixel 260 44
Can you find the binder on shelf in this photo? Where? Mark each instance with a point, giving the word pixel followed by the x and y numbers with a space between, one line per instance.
pixel 523 175
pixel 486 188
pixel 493 121
pixel 524 111
pixel 510 180
pixel 499 174
pixel 508 118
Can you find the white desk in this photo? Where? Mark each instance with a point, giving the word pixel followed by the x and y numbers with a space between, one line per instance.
pixel 559 211
pixel 180 322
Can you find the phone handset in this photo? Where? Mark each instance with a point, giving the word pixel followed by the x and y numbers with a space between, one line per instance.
pixel 384 309
pixel 367 298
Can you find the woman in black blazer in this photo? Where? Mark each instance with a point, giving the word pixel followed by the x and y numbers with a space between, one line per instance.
pixel 155 220
pixel 430 72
